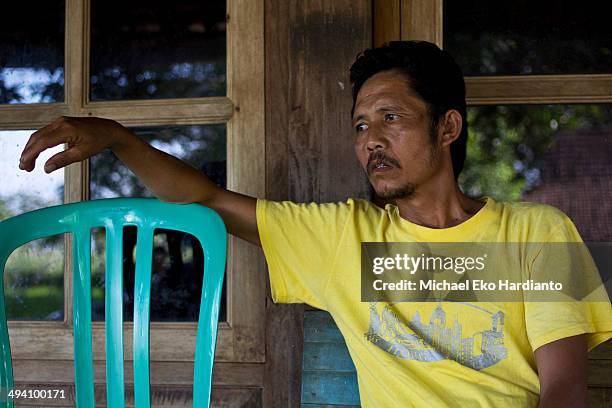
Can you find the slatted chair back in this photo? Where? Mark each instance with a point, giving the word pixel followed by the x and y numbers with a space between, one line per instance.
pixel 114 214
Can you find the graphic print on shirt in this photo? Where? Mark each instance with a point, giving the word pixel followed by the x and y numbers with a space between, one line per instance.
pixel 434 340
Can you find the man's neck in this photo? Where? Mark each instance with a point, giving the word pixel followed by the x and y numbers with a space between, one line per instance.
pixel 436 207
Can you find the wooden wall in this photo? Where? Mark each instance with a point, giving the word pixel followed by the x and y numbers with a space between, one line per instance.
pixel 329 377
pixel 310 46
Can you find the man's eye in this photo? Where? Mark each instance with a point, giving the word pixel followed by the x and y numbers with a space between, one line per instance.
pixel 361 127
pixel 389 117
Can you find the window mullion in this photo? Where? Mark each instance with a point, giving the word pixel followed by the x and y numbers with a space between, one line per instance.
pixel 77 44
pixel 77 39
pixel 75 85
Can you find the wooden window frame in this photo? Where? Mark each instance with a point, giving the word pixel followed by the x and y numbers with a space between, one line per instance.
pixel 242 337
pixel 423 20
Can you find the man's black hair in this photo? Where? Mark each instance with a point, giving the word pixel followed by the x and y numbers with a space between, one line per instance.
pixel 431 72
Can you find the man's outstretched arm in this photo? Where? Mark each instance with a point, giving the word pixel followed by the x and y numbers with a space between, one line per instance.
pixel 562 368
pixel 169 178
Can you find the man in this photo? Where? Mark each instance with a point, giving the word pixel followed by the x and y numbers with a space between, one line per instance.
pixel 410 132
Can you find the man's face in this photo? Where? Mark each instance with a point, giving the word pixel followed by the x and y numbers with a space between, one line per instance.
pixel 393 136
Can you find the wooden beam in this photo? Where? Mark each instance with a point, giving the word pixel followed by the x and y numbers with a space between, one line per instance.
pixel 387 21
pixel 308 141
pixel 31 116
pixel 599 397
pixel 422 20
pixel 539 89
pixel 162 372
pixel 246 147
pixel 169 341
pixel 284 323
pixel 602 352
pixel 600 373
pixel 161 396
pixel 217 109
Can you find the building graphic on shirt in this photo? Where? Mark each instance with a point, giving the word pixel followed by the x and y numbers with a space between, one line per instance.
pixel 437 339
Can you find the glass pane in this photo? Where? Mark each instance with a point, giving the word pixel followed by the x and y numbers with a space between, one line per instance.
pixel 166 49
pixel 34 277
pixel 21 191
pixel 178 259
pixel 204 147
pixel 555 154
pixel 529 37
pixel 176 280
pixel 34 280
pixel 32 52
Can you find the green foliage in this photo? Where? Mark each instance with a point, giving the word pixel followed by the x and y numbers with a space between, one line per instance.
pixel 38 303
pixel 197 145
pixel 513 53
pixel 34 281
pixel 35 264
pixel 507 144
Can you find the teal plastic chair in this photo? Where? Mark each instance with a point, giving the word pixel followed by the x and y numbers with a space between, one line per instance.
pixel 113 215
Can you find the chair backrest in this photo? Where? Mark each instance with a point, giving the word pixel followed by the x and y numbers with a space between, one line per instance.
pixel 113 215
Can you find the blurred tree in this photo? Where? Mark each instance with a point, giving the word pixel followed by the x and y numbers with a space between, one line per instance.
pixel 8 94
pixel 204 147
pixel 170 81
pixel 506 144
pixel 508 53
pixel 526 37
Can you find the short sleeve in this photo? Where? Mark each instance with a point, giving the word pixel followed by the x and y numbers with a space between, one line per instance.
pixel 300 243
pixel 565 255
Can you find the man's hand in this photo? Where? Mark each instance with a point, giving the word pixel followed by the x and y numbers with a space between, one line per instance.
pixel 562 368
pixel 167 177
pixel 84 137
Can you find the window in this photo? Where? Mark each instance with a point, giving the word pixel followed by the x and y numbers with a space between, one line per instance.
pixel 539 93
pixel 186 75
pixel 537 76
pixel 539 87
pixel 34 272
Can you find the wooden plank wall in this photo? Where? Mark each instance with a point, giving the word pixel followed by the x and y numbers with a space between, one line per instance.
pixel 329 376
pixel 309 155
pixel 599 376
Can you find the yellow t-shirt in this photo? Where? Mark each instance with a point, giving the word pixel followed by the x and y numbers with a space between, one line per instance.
pixel 313 255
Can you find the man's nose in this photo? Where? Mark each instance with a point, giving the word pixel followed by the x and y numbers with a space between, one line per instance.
pixel 377 139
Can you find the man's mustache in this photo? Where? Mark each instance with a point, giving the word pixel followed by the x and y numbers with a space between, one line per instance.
pixel 379 157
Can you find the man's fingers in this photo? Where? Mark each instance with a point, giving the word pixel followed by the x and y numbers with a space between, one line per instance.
pixel 44 130
pixel 62 159
pixel 28 156
pixel 37 144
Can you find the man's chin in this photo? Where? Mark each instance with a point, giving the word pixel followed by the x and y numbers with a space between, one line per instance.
pixel 389 193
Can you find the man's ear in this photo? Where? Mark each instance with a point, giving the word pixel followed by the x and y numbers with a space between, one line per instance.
pixel 450 126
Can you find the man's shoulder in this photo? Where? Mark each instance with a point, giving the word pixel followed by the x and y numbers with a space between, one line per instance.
pixel 540 221
pixel 531 211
